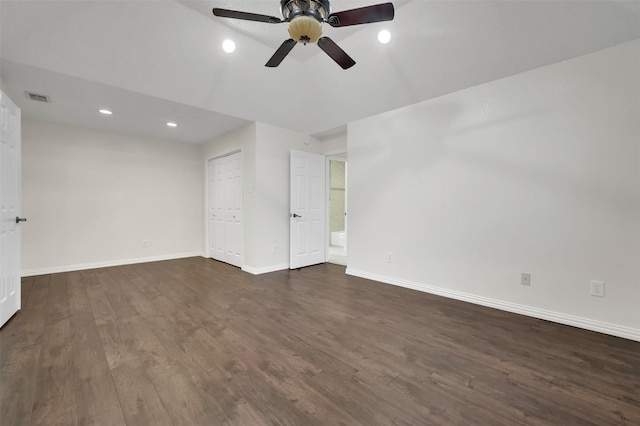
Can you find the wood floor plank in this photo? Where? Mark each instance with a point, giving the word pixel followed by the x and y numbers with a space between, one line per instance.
pixel 130 342
pixel 96 397
pixel 18 384
pixel 78 300
pixel 198 342
pixel 118 300
pixel 140 303
pixel 185 405
pixel 100 305
pixel 20 344
pixel 26 285
pixel 55 401
pixel 139 399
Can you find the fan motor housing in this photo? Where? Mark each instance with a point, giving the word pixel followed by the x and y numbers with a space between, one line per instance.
pixel 317 9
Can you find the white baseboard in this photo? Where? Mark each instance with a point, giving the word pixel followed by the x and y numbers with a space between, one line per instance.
pixel 572 320
pixel 106 264
pixel 265 269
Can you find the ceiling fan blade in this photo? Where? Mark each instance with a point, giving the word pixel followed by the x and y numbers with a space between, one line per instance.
pixel 336 53
pixel 281 53
pixel 225 13
pixel 362 15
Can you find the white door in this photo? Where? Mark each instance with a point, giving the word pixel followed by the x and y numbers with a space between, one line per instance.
pixel 10 188
pixel 308 210
pixel 225 209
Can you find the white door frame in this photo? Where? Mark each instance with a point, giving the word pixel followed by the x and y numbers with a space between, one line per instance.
pixel 208 202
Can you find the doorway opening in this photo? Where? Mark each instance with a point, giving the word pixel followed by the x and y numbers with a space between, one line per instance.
pixel 337 238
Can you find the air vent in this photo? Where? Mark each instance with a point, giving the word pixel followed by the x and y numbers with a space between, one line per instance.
pixel 38 97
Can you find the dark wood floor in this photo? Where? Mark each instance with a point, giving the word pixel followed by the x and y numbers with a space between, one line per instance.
pixel 197 342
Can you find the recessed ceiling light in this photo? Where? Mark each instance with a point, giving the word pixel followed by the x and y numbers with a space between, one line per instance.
pixel 228 46
pixel 105 112
pixel 171 124
pixel 384 36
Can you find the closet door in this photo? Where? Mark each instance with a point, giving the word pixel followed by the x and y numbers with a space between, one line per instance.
pixel 225 209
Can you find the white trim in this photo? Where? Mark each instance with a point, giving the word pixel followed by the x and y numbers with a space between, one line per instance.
pixel 336 153
pixel 327 206
pixel 265 269
pixel 106 264
pixel 572 320
pixel 205 249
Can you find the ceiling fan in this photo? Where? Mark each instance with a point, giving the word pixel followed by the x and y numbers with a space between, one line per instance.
pixel 305 18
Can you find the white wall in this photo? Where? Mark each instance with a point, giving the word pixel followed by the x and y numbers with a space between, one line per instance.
pixel 265 162
pixel 91 197
pixel 539 173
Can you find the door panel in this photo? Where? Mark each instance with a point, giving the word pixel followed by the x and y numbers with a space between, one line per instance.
pixel 301 246
pixel 225 209
pixel 301 196
pixel 308 209
pixel 234 201
pixel 316 194
pixel 218 246
pixel 10 201
pixel 317 227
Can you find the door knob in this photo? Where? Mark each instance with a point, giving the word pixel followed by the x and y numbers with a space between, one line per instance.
pixel 295 215
pixel 20 219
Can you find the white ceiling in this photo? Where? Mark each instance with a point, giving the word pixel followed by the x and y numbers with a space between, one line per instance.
pixel 154 61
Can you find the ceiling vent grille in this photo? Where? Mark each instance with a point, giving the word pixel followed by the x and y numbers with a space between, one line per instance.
pixel 38 97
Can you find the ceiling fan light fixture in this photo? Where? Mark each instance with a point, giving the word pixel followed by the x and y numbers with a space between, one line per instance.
pixel 305 18
pixel 305 29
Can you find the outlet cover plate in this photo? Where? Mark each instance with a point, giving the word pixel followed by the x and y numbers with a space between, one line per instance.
pixel 525 278
pixel 597 288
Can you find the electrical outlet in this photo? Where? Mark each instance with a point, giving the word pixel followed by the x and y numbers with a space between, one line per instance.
pixel 274 249
pixel 597 288
pixel 525 278
pixel 145 243
pixel 389 257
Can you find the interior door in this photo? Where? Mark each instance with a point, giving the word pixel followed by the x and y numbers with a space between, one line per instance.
pixel 10 187
pixel 225 209
pixel 308 210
